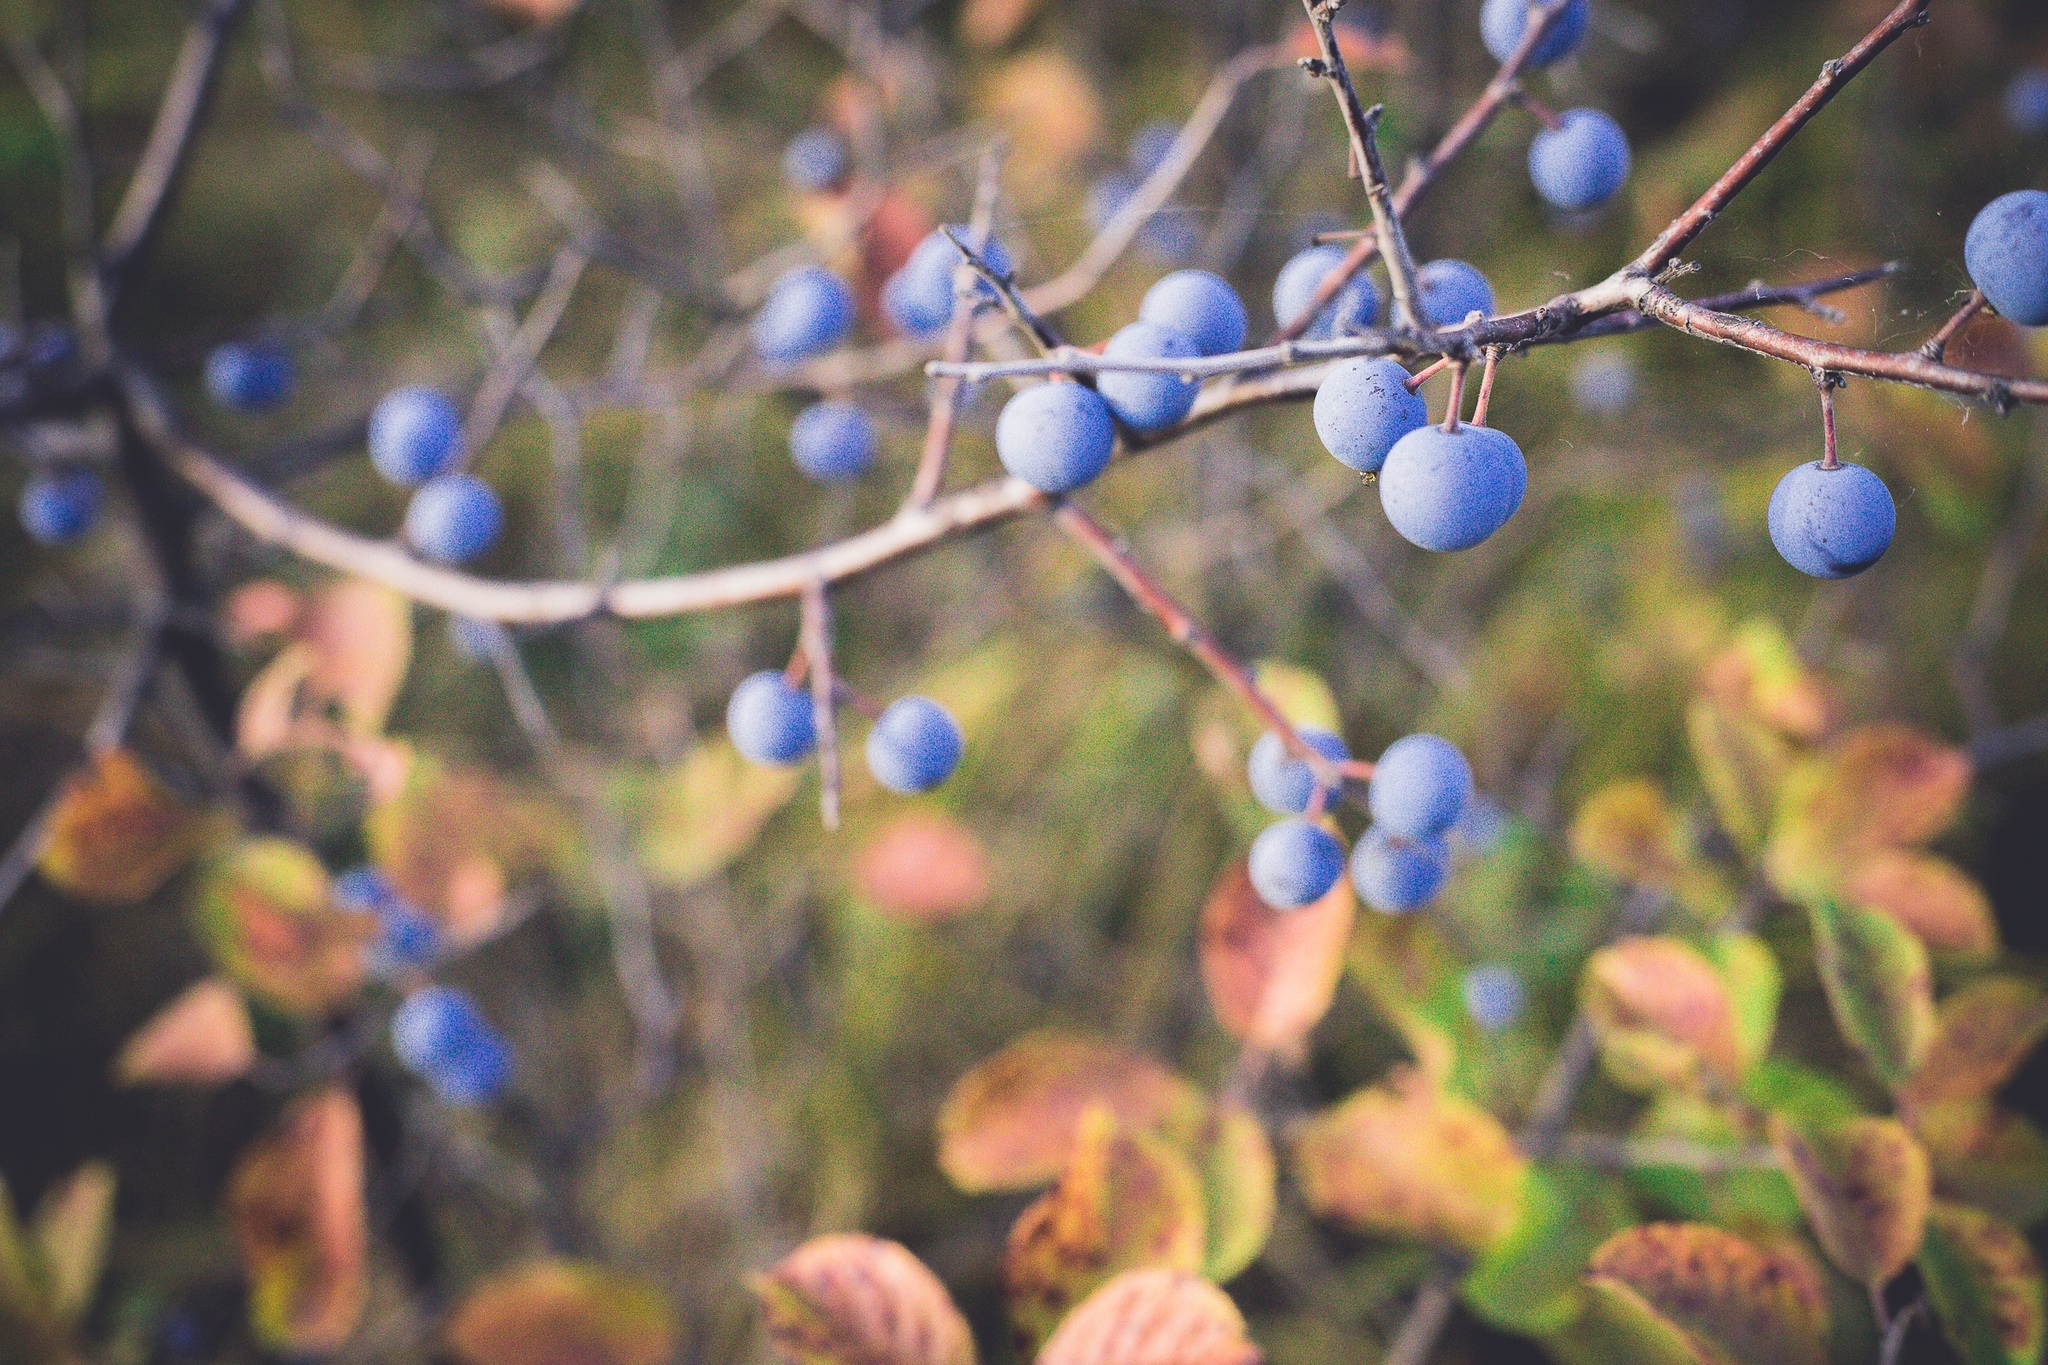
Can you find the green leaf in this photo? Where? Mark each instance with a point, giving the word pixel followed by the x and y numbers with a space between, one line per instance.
pixel 1879 985
pixel 1986 1287
pixel 1532 1281
pixel 1779 1085
pixel 1741 1197
pixel 1741 763
pixel 1616 1326
pixel 706 811
pixel 71 1229
pixel 1755 986
pixel 1239 1185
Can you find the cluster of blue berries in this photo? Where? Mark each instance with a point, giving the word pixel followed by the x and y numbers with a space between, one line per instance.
pixel 913 746
pixel 407 938
pixel 1420 788
pixel 416 442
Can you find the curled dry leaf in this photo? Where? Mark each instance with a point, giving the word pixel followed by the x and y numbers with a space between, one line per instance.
pixel 1931 896
pixel 296 1202
pixel 1406 1159
pixel 1876 787
pixel 1986 1287
pixel 201 1038
pixel 1272 974
pixel 551 1312
pixel 923 866
pixel 706 811
pixel 1879 985
pixel 1987 1156
pixel 1981 1035
pixel 1865 1185
pixel 1009 1123
pixel 1125 1201
pixel 265 913
pixel 1153 1317
pixel 118 834
pixel 1737 1302
pixel 847 1299
pixel 1660 1012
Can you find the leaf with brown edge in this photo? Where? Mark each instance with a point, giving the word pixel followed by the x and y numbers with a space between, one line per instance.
pixel 1239 1176
pixel 117 834
pixel 1987 1156
pixel 552 1312
pixel 1628 830
pixel 1879 986
pixel 1124 1201
pixel 201 1038
pixel 1875 787
pixel 1405 1159
pixel 360 637
pixel 1616 1326
pixel 1737 1301
pixel 1272 974
pixel 1931 896
pixel 1741 763
pixel 1660 1012
pixel 264 911
pixel 1153 1317
pixel 1009 1123
pixel 454 839
pixel 72 1226
pixel 295 1200
pixel 847 1299
pixel 1865 1185
pixel 1986 1287
pixel 1981 1035
pixel 706 811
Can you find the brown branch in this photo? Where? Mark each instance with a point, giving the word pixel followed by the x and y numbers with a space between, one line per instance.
pixel 1004 284
pixel 816 631
pixel 945 412
pixel 1386 225
pixel 1936 346
pixel 1833 76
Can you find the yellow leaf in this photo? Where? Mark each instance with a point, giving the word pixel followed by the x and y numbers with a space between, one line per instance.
pixel 1865 1185
pixel 551 1312
pixel 71 1229
pixel 1153 1317
pixel 118 835
pixel 1875 787
pixel 708 810
pixel 851 1300
pixel 360 636
pixel 1760 676
pixel 1660 1012
pixel 1742 764
pixel 1981 1035
pixel 264 910
pixel 1238 1181
pixel 1628 831
pixel 296 1201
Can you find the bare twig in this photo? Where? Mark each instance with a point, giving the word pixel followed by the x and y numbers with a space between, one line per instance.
pixel 817 652
pixel 945 404
pixel 89 302
pixel 1936 346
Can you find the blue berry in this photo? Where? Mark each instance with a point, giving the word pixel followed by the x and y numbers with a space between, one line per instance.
pixel 248 378
pixel 1502 23
pixel 454 518
pixel 1580 163
pixel 1449 490
pixel 1451 292
pixel 61 505
pixel 1200 306
pixel 1603 383
pixel 2007 254
pixel 1356 306
pixel 809 310
pixel 1150 146
pixel 1056 437
pixel 914 746
pixel 815 159
pixel 51 344
pixel 769 721
pixel 415 434
pixel 406 939
pixel 2026 102
pixel 1831 523
pixel 1143 400
pixel 1105 197
pixel 1363 407
pixel 833 440
pixel 1295 863
pixel 1494 995
pixel 1419 787
pixel 363 889
pixel 477 639
pixel 1285 784
pixel 919 298
pixel 1394 873
pixel 441 1036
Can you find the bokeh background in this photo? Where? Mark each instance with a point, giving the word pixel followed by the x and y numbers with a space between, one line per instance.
pixel 829 998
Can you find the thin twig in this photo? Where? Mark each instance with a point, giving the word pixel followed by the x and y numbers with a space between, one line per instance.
pixel 1936 346
pixel 817 651
pixel 945 404
pixel 1004 283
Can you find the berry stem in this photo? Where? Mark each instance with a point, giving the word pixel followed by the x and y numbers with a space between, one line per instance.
pixel 1936 346
pixel 1545 115
pixel 817 644
pixel 1427 373
pixel 1828 383
pixel 1486 387
pixel 1457 402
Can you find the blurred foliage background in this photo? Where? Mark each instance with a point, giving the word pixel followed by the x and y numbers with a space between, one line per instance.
pixel 826 1008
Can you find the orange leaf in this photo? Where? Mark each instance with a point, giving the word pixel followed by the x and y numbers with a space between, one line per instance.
pixel 1009 1123
pixel 847 1299
pixel 1760 676
pixel 1660 1012
pixel 453 839
pixel 923 866
pixel 1050 109
pixel 1153 1317
pixel 1865 1185
pixel 1739 1301
pixel 264 911
pixel 296 1201
pixel 561 1313
pixel 259 608
pixel 1406 1159
pixel 201 1038
pixel 117 834
pixel 1931 896
pixel 1271 974
pixel 992 23
pixel 1873 788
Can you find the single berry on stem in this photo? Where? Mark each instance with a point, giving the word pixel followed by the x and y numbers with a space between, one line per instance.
pixel 415 434
pixel 1056 436
pixel 1363 407
pixel 1582 162
pixel 1201 307
pixel 1446 490
pixel 1419 787
pixel 1356 306
pixel 809 310
pixel 1143 400
pixel 1502 23
pixel 454 518
pixel 248 377
pixel 914 746
pixel 2006 251
pixel 1451 292
pixel 58 506
pixel 1394 873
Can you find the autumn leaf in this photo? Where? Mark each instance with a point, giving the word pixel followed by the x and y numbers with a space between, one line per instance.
pixel 1737 1301
pixel 296 1202
pixel 1238 1181
pixel 1271 974
pixel 846 1299
pixel 1628 830
pixel 201 1038
pixel 1755 986
pixel 1865 1185
pixel 72 1226
pixel 1009 1123
pixel 1930 896
pixel 453 840
pixel 552 1312
pixel 117 834
pixel 706 811
pixel 1986 1287
pixel 1878 984
pixel 1760 676
pixel 992 23
pixel 264 910
pixel 360 635
pixel 1660 1011
pixel 1405 1159
pixel 1741 763
pixel 922 867
pixel 1982 1033
pixel 1125 1201
pixel 1531 1280
pixel 1876 787
pixel 1051 111
pixel 1153 1317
